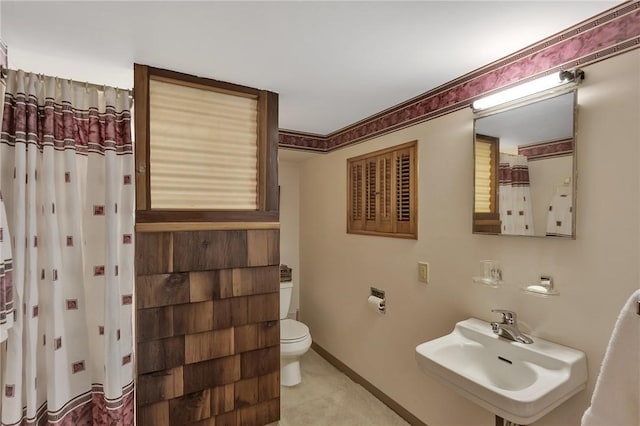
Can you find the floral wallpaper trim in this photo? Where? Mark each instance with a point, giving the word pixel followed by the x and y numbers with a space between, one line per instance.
pixel 300 140
pixel 548 149
pixel 606 35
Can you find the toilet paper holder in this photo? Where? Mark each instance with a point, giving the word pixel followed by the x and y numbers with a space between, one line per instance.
pixel 382 307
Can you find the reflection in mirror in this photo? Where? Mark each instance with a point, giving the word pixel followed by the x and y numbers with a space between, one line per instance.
pixel 525 170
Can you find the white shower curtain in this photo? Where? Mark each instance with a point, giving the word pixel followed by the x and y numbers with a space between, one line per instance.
pixel 67 181
pixel 560 215
pixel 516 212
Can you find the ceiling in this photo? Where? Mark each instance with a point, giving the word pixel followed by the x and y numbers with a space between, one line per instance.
pixel 546 120
pixel 333 63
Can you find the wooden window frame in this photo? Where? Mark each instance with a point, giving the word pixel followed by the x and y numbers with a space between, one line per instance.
pixel 489 222
pixel 377 214
pixel 267 192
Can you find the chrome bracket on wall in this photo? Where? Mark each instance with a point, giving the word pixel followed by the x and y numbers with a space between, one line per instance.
pixel 377 293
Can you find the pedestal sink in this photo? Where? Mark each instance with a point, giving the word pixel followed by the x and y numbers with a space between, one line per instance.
pixel 516 381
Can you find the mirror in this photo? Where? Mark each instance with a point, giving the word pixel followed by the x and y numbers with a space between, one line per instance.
pixel 525 169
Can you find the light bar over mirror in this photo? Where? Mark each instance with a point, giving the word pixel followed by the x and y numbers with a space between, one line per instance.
pixel 541 86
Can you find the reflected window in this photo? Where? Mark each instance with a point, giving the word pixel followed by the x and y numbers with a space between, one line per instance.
pixel 486 217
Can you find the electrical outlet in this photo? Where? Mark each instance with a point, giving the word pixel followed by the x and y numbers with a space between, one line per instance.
pixel 423 272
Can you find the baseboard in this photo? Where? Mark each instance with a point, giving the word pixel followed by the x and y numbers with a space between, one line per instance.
pixel 399 409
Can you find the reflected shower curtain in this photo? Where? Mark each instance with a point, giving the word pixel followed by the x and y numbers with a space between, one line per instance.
pixel 67 182
pixel 516 213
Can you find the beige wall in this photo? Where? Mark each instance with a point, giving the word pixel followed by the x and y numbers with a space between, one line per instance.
pixel 289 177
pixel 76 68
pixel 594 273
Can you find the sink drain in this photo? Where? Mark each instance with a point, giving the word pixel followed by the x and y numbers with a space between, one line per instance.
pixel 505 360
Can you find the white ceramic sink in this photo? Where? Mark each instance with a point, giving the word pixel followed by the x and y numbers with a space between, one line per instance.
pixel 518 382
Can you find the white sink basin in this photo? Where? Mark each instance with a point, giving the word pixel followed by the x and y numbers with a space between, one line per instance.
pixel 518 382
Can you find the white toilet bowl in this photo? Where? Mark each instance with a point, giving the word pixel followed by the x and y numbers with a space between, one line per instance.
pixel 295 341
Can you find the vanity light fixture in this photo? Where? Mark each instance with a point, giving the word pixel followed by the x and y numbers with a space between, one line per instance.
pixel 564 79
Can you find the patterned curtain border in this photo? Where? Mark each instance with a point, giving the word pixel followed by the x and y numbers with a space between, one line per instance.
pixel 80 410
pixel 604 36
pixel 93 131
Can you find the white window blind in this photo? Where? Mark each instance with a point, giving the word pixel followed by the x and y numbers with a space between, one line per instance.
pixel 484 176
pixel 203 148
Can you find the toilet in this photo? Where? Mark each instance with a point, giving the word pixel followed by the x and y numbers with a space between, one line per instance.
pixel 295 340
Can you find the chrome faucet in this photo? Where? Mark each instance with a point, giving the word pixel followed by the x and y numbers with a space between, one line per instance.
pixel 508 328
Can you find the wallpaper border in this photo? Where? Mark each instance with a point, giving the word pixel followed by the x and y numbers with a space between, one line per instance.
pixel 548 149
pixel 608 34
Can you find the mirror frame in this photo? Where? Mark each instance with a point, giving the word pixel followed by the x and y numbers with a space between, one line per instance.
pixel 484 223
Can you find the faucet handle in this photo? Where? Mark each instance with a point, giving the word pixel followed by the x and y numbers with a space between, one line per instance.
pixel 508 317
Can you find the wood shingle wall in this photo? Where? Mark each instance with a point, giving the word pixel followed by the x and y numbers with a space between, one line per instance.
pixel 208 332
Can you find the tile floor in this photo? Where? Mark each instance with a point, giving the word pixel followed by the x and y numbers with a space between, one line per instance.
pixel 326 397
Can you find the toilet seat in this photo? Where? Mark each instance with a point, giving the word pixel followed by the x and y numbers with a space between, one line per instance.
pixel 292 331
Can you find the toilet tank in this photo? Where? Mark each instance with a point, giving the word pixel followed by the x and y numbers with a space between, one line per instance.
pixel 286 289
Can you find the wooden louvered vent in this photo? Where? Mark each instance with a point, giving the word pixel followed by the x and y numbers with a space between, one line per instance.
pixel 356 188
pixel 403 186
pixel 371 190
pixel 382 192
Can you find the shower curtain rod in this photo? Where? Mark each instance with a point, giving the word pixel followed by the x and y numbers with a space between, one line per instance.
pixel 3 74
